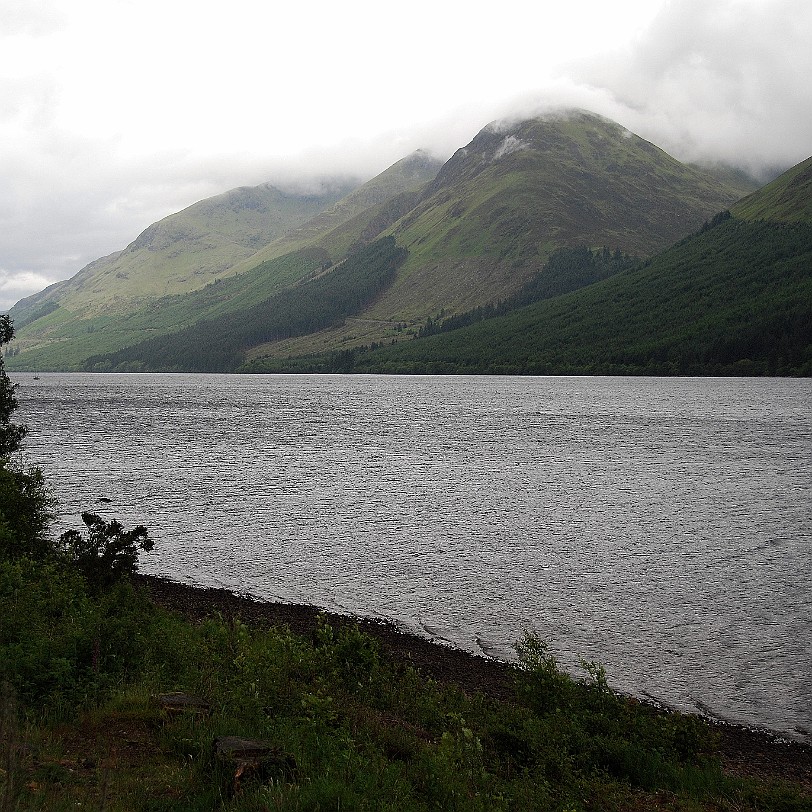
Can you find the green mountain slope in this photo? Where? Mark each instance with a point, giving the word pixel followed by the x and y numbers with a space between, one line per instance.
pixel 735 298
pixel 185 251
pixel 337 229
pixel 788 198
pixel 55 332
pixel 571 177
pixel 475 233
pixel 501 204
pixel 320 301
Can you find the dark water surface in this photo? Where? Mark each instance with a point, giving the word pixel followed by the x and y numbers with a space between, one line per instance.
pixel 660 526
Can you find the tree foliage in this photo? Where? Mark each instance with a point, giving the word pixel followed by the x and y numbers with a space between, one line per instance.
pixel 11 435
pixel 219 344
pixel 566 270
pixel 25 505
pixel 107 553
pixel 734 299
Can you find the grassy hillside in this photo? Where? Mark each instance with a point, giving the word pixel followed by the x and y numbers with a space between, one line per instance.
pixel 185 251
pixel 518 188
pixel 336 229
pixel 735 299
pixel 218 344
pixel 65 348
pixel 51 334
pixel 786 199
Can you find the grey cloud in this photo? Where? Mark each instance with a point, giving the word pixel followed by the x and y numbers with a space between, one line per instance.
pixel 725 81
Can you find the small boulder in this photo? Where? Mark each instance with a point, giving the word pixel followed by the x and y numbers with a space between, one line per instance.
pixel 178 702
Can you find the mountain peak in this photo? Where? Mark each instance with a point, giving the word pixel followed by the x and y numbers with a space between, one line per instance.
pixel 420 165
pixel 565 177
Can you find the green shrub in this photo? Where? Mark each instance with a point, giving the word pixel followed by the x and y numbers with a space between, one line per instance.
pixel 540 683
pixel 62 647
pixel 25 513
pixel 108 553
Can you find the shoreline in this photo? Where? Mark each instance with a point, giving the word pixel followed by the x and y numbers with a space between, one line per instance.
pixel 744 752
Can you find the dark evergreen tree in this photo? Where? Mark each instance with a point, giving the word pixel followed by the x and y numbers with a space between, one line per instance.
pixel 25 506
pixel 11 436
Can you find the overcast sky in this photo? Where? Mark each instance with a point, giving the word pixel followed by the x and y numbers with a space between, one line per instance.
pixel 115 113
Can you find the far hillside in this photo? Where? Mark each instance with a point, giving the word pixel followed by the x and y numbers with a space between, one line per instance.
pixel 786 199
pixel 733 299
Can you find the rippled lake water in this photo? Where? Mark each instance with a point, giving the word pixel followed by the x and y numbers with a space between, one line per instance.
pixel 660 526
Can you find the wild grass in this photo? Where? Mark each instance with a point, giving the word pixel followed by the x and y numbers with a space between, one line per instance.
pixel 350 727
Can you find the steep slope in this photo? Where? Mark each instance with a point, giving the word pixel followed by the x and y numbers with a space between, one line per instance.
pixel 735 298
pixel 787 199
pixel 336 229
pixel 719 305
pixel 321 300
pixel 518 190
pixel 56 329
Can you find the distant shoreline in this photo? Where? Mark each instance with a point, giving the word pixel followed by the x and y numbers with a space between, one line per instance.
pixel 744 752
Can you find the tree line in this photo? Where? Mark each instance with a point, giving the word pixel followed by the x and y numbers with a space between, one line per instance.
pixel 218 344
pixel 566 270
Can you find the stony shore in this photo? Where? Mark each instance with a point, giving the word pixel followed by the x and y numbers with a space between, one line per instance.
pixel 744 752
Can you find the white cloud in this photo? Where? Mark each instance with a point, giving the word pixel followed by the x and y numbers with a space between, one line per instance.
pixel 723 81
pixel 14 285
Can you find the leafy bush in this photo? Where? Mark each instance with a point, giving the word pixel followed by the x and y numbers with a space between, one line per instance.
pixel 61 647
pixel 25 513
pixel 541 684
pixel 108 553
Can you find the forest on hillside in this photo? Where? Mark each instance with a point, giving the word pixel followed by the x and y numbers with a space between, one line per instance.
pixel 218 344
pixel 733 299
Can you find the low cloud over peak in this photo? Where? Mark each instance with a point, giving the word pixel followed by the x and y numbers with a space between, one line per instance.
pixel 717 82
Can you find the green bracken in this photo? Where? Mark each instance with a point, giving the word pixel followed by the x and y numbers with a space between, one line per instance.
pixel 348 727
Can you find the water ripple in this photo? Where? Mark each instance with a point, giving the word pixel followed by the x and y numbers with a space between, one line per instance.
pixel 661 526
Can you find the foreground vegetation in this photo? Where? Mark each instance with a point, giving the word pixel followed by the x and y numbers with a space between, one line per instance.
pixel 109 702
pixel 347 727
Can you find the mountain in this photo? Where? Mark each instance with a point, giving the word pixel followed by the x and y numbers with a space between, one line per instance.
pixel 187 250
pixel 474 233
pixel 502 204
pixel 518 190
pixel 735 298
pixel 163 280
